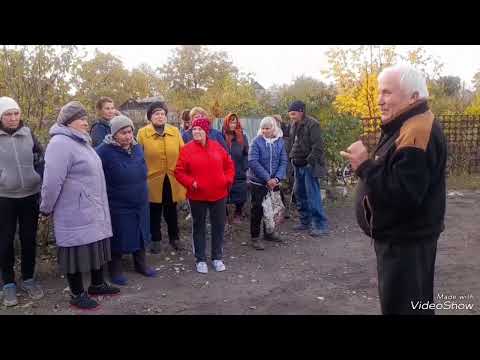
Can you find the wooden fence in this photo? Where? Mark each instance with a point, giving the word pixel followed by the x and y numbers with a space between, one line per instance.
pixel 463 137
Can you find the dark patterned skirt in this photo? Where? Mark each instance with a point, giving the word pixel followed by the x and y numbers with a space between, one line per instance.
pixel 84 258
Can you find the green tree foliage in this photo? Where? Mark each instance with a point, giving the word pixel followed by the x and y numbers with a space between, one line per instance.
pixel 316 95
pixel 39 79
pixel 197 76
pixel 104 75
pixel 230 94
pixel 474 106
pixel 448 95
pixel 144 82
pixel 339 131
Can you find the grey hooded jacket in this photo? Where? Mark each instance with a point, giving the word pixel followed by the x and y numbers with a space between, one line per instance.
pixel 18 178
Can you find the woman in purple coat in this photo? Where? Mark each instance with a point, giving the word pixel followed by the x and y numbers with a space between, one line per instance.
pixel 74 192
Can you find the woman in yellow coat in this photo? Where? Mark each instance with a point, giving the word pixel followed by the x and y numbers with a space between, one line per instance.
pixel 161 144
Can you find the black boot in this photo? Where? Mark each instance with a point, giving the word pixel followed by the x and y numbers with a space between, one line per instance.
pixel 103 290
pixel 83 301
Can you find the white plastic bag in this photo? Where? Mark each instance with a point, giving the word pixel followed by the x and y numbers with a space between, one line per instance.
pixel 273 210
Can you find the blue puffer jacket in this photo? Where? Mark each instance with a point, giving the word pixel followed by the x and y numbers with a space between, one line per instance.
pixel 267 161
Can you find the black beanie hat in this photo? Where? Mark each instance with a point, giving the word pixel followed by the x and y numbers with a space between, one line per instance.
pixel 157 105
pixel 297 105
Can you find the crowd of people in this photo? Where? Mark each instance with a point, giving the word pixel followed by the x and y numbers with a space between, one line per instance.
pixel 107 189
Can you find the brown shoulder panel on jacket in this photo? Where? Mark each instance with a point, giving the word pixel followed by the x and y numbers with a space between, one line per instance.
pixel 416 131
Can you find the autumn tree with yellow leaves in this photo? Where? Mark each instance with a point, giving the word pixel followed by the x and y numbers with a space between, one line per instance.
pixel 355 72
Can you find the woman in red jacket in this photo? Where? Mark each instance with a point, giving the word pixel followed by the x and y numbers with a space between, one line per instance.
pixel 207 172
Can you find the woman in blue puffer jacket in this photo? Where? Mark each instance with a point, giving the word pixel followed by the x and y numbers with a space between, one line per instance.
pixel 267 162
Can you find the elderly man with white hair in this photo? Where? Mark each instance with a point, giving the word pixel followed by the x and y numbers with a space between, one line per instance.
pixel 401 195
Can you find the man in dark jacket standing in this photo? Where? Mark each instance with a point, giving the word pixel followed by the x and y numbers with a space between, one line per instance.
pixel 307 156
pixel 401 194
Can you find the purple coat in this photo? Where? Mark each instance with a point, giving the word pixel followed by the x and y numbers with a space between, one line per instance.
pixel 74 189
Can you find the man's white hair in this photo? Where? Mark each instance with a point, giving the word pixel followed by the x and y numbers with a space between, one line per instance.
pixel 411 80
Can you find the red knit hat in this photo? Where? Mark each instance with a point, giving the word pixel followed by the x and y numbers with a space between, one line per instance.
pixel 203 123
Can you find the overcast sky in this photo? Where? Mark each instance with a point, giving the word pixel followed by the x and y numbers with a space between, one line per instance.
pixel 280 64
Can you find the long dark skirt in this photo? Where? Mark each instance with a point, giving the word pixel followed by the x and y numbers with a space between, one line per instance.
pixel 84 258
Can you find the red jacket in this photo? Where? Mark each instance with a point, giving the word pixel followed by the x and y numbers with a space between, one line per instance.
pixel 210 166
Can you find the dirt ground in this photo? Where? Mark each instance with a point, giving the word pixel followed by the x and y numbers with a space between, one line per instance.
pixel 304 275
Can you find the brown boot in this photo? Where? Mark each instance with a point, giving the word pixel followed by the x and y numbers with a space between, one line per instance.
pixel 257 244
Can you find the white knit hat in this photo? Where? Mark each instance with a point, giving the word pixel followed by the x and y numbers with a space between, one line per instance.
pixel 6 104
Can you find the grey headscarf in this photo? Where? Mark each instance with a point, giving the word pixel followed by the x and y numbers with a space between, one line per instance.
pixel 71 112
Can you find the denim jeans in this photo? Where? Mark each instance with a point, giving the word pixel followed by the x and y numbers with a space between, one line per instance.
pixel 308 199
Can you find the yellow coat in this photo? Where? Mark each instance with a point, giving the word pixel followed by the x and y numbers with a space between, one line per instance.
pixel 155 148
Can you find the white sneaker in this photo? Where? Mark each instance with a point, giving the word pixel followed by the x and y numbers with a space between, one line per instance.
pixel 219 265
pixel 202 267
